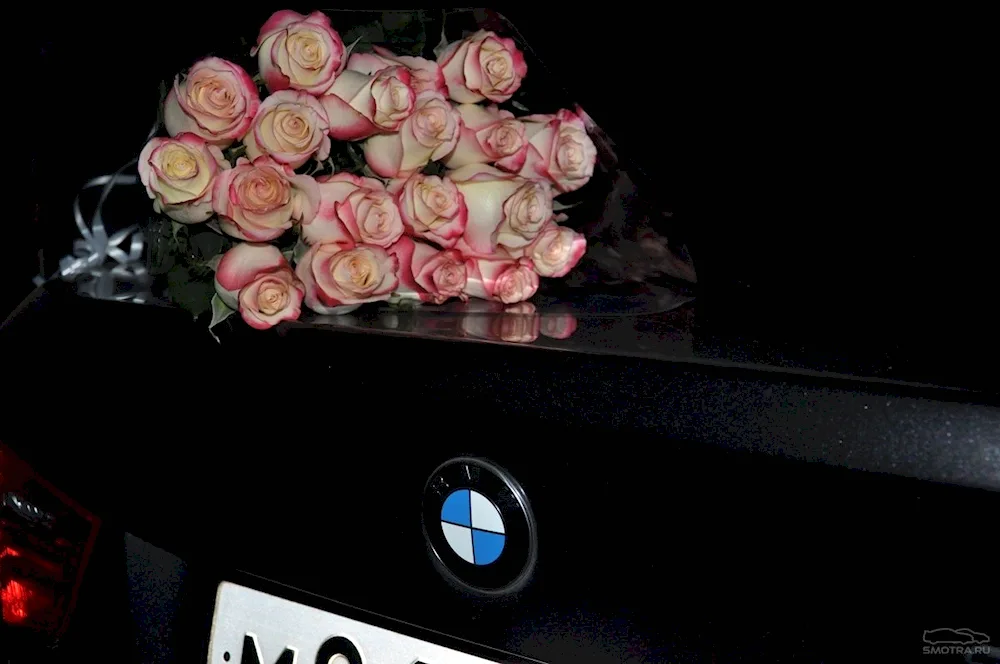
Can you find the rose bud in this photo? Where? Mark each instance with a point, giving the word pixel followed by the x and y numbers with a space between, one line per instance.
pixel 354 208
pixel 432 208
pixel 260 200
pixel 429 274
pixel 257 280
pixel 427 135
pixel 482 66
pixel 556 250
pixel 559 150
pixel 507 280
pixel 341 276
pixel 504 210
pixel 489 136
pixel 291 127
pixel 299 52
pixel 179 173
pixel 558 326
pixel 217 100
pixel 360 106
pixel 426 73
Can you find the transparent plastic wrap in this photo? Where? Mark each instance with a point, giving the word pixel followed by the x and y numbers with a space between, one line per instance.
pixel 636 265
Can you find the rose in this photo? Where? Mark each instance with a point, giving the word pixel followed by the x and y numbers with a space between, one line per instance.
pixel 356 209
pixel 260 200
pixel 178 174
pixel 518 323
pixel 299 52
pixel 559 150
pixel 429 274
pixel 432 208
pixel 217 101
pixel 558 326
pixel 504 209
pixel 257 280
pixel 556 250
pixel 482 66
pixel 290 126
pixel 341 276
pixel 428 134
pixel 360 106
pixel 504 279
pixel 489 135
pixel 426 73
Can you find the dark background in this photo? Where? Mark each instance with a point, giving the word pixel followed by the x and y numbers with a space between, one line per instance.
pixel 829 170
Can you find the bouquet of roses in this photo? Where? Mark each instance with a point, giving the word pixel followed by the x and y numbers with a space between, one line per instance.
pixel 450 195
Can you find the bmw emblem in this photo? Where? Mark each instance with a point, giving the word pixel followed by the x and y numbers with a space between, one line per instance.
pixel 479 526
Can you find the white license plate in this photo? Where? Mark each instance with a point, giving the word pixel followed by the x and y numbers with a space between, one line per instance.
pixel 251 627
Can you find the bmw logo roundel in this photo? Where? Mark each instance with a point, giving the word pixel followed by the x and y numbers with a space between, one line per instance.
pixel 479 525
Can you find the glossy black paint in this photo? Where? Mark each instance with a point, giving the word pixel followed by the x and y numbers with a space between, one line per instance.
pixel 686 526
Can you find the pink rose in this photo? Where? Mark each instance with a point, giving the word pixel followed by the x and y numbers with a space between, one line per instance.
pixel 558 326
pixel 560 150
pixel 488 136
pixel 556 250
pixel 217 101
pixel 426 73
pixel 360 106
pixel 427 273
pixel 259 201
pixel 427 135
pixel 341 276
pixel 482 66
pixel 257 280
pixel 504 279
pixel 179 173
pixel 504 209
pixel 299 52
pixel 356 209
pixel 432 208
pixel 291 127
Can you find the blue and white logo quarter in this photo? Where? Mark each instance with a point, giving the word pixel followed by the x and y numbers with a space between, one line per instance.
pixel 473 527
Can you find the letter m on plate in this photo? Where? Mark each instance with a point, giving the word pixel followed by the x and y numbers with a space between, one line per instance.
pixel 253 655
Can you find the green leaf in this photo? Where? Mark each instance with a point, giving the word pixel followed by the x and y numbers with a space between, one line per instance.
pixel 187 292
pixel 175 228
pixel 558 207
pixel 519 106
pixel 213 225
pixel 205 244
pixel 404 31
pixel 347 51
pixel 220 311
pixel 214 262
pixel 299 251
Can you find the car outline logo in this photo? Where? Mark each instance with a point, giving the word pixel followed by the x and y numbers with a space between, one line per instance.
pixel 960 636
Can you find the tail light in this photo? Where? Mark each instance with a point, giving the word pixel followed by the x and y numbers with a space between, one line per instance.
pixel 45 542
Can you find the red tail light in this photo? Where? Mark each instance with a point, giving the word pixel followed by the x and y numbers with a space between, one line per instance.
pixel 45 542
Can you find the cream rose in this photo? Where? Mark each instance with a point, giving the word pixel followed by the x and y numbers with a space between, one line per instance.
pixel 257 280
pixel 482 66
pixel 291 127
pixel 504 279
pixel 341 276
pixel 179 173
pixel 299 52
pixel 432 208
pixel 559 151
pixel 504 210
pixel 260 200
pixel 427 273
pixel 356 209
pixel 556 250
pixel 360 106
pixel 217 100
pixel 489 136
pixel 427 135
pixel 426 73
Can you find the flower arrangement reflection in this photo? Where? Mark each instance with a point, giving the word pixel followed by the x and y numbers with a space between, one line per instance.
pixel 340 178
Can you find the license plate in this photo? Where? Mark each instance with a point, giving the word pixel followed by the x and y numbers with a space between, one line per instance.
pixel 252 627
